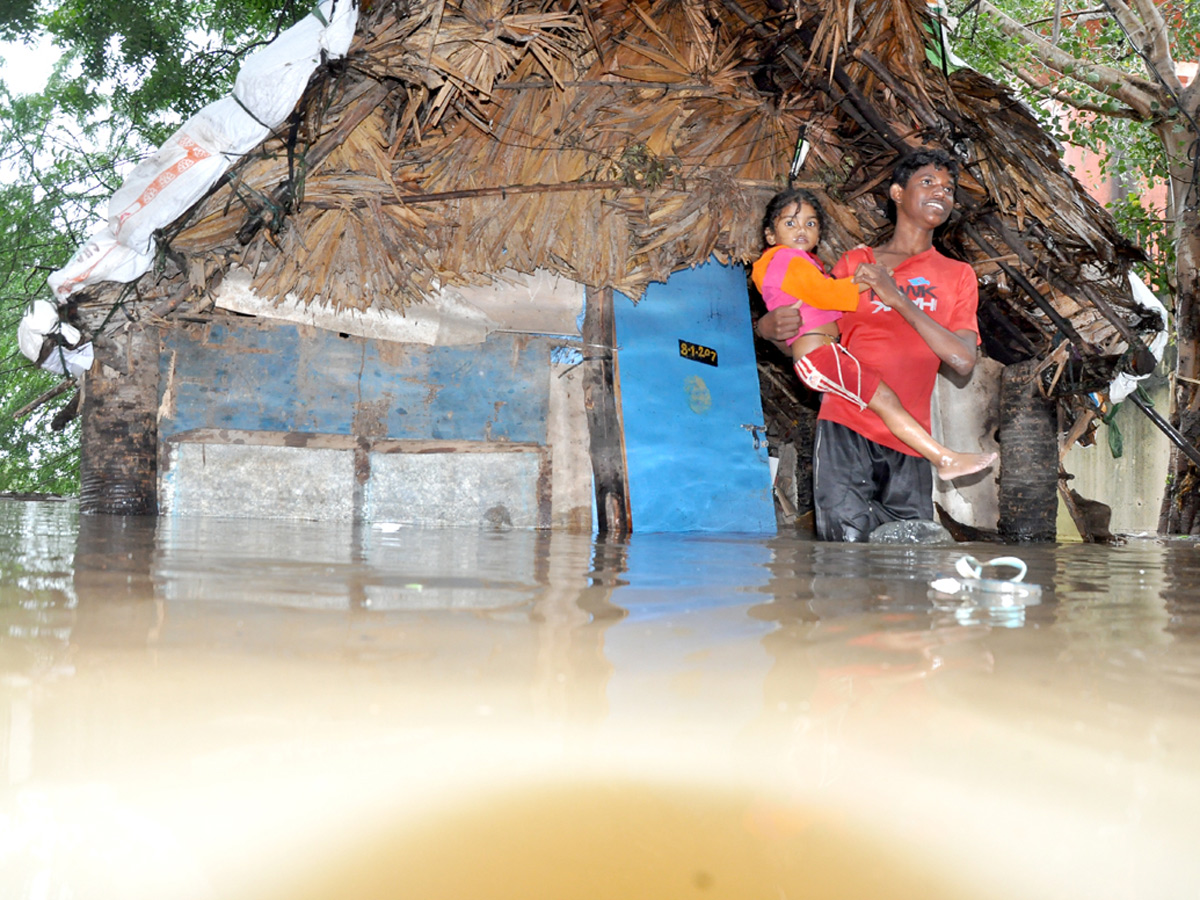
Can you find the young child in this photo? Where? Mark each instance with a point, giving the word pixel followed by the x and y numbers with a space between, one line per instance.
pixel 789 272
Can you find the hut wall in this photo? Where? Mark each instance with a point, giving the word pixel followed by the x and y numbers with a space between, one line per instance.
pixel 259 418
pixel 1028 480
pixel 1132 484
pixel 966 416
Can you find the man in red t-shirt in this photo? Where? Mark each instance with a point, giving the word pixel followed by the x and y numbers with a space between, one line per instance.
pixel 921 312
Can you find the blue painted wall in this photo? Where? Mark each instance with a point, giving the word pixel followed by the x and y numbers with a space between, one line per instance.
pixel 262 376
pixel 693 464
pixel 690 448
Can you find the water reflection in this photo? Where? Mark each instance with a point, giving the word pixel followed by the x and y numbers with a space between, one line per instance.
pixel 251 670
pixel 1180 580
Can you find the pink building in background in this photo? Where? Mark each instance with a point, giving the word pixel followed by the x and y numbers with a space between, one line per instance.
pixel 1086 165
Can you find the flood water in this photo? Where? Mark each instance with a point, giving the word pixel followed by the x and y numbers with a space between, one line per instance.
pixel 253 709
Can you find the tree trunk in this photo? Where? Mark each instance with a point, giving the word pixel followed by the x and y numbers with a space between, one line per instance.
pixel 1028 457
pixel 1181 499
pixel 118 467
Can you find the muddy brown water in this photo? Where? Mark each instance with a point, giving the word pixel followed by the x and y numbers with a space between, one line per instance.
pixel 253 709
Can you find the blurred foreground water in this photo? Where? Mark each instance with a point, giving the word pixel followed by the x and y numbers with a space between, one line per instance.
pixel 255 709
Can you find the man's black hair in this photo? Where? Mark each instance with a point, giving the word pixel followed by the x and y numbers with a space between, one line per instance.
pixel 907 165
pixel 784 199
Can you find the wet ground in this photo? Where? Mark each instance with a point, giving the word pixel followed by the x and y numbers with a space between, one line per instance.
pixel 237 709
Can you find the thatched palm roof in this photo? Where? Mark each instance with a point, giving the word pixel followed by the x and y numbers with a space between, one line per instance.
pixel 616 141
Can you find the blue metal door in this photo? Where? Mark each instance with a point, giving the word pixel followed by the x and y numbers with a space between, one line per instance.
pixel 690 401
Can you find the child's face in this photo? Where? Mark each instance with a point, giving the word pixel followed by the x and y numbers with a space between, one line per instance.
pixel 796 227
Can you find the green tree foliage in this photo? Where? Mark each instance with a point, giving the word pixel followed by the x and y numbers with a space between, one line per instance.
pixel 49 187
pixel 35 454
pixel 155 62
pixel 1078 66
pixel 17 18
pixel 129 73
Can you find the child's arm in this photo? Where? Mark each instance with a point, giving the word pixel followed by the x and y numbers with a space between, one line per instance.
pixel 807 283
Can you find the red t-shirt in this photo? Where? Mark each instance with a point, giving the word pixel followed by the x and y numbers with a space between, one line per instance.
pixel 948 292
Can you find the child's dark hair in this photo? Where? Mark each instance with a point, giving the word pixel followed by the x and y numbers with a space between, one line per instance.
pixel 908 164
pixel 784 199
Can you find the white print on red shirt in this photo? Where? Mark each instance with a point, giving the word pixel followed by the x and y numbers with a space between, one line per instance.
pixel 919 290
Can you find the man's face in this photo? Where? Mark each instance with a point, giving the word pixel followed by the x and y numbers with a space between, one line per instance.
pixel 928 197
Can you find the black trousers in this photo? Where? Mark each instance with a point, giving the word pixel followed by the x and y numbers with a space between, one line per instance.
pixel 859 485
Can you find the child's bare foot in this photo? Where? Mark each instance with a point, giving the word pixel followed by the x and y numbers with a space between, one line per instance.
pixel 955 465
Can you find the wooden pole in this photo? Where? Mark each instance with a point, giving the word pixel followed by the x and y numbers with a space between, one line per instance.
pixel 61 388
pixel 601 392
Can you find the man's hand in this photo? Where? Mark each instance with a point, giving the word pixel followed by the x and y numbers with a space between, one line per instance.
pixel 779 325
pixel 878 278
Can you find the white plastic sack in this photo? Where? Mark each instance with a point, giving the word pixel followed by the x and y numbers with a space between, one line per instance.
pixel 342 17
pixel 271 80
pixel 70 362
pixel 1125 384
pixel 165 184
pixel 40 322
pixel 101 259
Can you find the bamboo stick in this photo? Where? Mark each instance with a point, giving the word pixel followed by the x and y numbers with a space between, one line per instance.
pixel 42 399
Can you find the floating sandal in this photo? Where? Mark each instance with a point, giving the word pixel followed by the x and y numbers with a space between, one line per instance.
pixel 970 587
